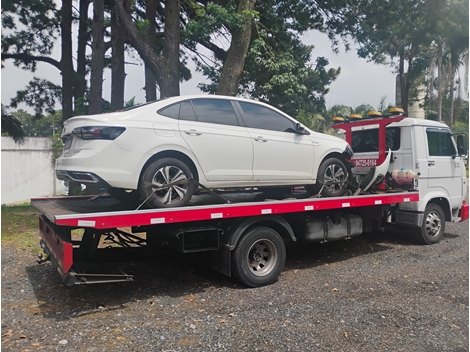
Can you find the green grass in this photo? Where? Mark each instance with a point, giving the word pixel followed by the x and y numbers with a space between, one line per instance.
pixel 20 227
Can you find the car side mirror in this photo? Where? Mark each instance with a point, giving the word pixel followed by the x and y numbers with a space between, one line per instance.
pixel 300 129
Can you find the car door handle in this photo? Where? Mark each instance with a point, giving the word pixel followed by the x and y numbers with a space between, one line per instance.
pixel 431 163
pixel 192 132
pixel 260 139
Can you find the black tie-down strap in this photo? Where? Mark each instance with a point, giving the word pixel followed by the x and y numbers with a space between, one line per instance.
pixel 182 182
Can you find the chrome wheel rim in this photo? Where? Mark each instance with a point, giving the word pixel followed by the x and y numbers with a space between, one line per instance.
pixel 433 224
pixel 334 178
pixel 165 176
pixel 262 257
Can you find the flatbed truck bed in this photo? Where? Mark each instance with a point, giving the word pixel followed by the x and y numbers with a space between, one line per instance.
pixel 83 235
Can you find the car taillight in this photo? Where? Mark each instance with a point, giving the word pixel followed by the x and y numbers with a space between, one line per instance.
pixel 98 132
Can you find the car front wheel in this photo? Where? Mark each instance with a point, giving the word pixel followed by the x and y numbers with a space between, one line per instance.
pixel 333 174
pixel 166 183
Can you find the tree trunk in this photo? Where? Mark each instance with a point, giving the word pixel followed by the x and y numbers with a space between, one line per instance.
pixel 97 59
pixel 403 85
pixel 451 93
pixel 118 73
pixel 440 82
pixel 169 84
pixel 66 63
pixel 150 81
pixel 80 76
pixel 235 61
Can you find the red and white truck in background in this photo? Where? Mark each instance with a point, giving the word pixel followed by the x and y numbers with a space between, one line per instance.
pixel 424 185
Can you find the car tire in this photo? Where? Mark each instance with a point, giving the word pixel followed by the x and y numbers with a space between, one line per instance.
pixel 333 174
pixel 433 226
pixel 259 257
pixel 160 173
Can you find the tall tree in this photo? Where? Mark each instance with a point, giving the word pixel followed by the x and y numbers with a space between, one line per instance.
pixel 150 37
pixel 236 55
pixel 166 68
pixel 118 73
pixel 80 87
pixel 97 59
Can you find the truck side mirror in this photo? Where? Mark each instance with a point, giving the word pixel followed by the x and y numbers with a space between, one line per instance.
pixel 462 148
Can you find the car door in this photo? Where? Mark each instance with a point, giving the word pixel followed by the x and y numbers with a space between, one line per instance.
pixel 221 145
pixel 279 152
pixel 444 169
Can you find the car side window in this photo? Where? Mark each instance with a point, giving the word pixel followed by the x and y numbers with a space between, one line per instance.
pixel 440 143
pixel 215 111
pixel 365 141
pixel 187 111
pixel 256 116
pixel 171 111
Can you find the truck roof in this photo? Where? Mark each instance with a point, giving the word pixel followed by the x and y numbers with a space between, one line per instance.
pixel 410 121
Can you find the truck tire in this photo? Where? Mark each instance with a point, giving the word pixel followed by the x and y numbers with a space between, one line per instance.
pixel 160 173
pixel 433 226
pixel 259 257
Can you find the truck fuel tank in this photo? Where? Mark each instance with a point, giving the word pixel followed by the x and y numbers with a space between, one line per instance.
pixel 331 228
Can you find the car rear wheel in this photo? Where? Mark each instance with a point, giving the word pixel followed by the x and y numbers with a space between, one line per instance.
pixel 333 174
pixel 166 183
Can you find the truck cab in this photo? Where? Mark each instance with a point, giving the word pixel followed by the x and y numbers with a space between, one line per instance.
pixel 426 149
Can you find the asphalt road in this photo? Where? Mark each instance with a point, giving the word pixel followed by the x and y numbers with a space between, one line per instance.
pixel 377 292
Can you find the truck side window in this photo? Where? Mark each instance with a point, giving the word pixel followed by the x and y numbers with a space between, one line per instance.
pixel 365 141
pixel 440 143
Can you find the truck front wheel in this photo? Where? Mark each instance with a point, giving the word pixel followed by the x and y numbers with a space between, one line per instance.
pixel 433 226
pixel 259 257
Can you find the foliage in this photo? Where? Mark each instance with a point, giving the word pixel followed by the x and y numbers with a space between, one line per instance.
pixel 279 68
pixel 40 94
pixel 12 126
pixel 19 226
pixel 45 126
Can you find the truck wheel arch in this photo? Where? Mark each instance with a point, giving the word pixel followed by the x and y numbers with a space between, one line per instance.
pixel 445 206
pixel 277 223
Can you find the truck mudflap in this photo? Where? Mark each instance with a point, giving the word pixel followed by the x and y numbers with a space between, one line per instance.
pixel 463 214
pixel 60 253
pixel 55 247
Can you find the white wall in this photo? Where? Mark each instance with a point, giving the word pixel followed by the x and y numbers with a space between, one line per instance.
pixel 28 170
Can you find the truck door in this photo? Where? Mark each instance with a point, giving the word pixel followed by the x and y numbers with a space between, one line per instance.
pixel 444 165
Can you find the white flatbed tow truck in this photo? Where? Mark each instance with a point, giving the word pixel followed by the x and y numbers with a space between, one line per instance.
pixel 247 237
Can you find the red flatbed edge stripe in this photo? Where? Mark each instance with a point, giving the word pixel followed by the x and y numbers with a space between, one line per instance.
pixel 106 220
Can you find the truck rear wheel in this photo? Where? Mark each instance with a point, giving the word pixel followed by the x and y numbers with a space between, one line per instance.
pixel 433 226
pixel 259 257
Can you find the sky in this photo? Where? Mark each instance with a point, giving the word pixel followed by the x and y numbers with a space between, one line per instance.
pixel 359 82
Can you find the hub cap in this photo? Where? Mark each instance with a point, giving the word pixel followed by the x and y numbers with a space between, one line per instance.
pixel 262 257
pixel 167 175
pixel 334 178
pixel 433 224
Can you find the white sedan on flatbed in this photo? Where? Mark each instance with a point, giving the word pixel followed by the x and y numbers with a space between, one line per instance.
pixel 154 151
